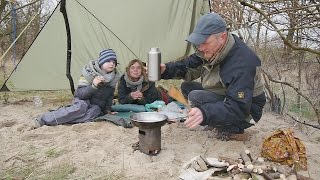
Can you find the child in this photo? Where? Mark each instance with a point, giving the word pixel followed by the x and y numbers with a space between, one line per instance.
pixel 94 94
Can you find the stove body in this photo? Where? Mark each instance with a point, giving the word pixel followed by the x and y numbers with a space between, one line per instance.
pixel 149 124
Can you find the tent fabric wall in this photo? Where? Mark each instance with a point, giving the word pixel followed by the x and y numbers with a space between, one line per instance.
pixel 131 28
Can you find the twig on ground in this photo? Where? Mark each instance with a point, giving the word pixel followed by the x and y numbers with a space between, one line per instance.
pixel 246 159
pixel 307 124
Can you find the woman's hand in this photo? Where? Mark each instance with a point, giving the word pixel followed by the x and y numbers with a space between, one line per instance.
pixel 136 95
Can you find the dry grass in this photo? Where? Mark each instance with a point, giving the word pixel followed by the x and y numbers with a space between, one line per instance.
pixel 27 96
pixel 58 96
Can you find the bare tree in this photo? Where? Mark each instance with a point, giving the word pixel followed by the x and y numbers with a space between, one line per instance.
pixel 25 13
pixel 297 24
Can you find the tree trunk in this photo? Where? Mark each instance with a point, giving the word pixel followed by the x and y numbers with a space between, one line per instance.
pixel 258 33
pixel 298 103
pixel 2 7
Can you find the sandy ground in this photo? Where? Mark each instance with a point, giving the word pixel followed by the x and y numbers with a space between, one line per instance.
pixel 102 150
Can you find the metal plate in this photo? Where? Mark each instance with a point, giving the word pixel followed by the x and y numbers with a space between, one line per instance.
pixel 148 119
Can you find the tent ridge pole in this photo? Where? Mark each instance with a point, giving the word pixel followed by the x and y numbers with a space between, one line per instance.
pixel 66 20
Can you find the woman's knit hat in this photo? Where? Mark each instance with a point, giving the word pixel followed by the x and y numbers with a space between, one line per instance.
pixel 107 55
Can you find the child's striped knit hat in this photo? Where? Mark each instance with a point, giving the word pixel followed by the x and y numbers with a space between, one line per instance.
pixel 107 55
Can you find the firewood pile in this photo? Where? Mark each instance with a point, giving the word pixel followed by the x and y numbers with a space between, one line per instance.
pixel 246 167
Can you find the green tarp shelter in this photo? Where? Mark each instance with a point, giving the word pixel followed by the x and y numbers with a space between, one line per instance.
pixel 129 27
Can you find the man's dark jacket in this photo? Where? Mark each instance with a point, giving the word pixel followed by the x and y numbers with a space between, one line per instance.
pixel 239 81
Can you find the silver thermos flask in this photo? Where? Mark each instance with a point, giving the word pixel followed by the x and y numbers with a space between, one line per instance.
pixel 154 61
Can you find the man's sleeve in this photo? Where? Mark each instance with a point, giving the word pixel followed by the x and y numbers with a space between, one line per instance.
pixel 179 69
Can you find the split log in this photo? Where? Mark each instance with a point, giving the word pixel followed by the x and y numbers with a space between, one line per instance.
pixel 275 175
pixel 283 169
pixel 241 176
pixel 291 177
pixel 246 159
pixel 219 178
pixel 259 171
pixel 214 162
pixel 246 170
pixel 233 166
pixel 235 171
pixel 263 167
pixel 240 166
pixel 301 177
pixel 227 159
pixel 250 166
pixel 266 176
pixel 248 154
pixel 282 177
pixel 199 165
pixel 259 161
pixel 257 176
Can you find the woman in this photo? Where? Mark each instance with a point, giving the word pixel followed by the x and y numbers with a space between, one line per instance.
pixel 134 88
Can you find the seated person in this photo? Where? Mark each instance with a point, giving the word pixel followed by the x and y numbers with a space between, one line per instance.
pixel 94 94
pixel 134 87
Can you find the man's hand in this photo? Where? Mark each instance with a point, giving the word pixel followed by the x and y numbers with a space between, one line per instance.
pixel 162 68
pixel 194 119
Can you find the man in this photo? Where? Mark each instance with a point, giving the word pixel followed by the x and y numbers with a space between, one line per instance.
pixel 231 91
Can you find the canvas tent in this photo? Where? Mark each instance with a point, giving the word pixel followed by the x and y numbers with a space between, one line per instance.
pixel 129 27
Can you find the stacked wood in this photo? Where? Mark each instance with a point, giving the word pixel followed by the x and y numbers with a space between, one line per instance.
pixel 247 166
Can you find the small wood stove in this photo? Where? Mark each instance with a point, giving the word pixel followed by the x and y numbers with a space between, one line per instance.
pixel 149 124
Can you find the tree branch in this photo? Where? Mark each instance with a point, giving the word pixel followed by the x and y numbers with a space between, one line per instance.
pixel 316 110
pixel 3 5
pixel 284 39
pixel 307 124
pixel 293 9
pixel 8 13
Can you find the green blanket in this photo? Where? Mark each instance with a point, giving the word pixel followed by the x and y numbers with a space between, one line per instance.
pixel 120 119
pixel 128 108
